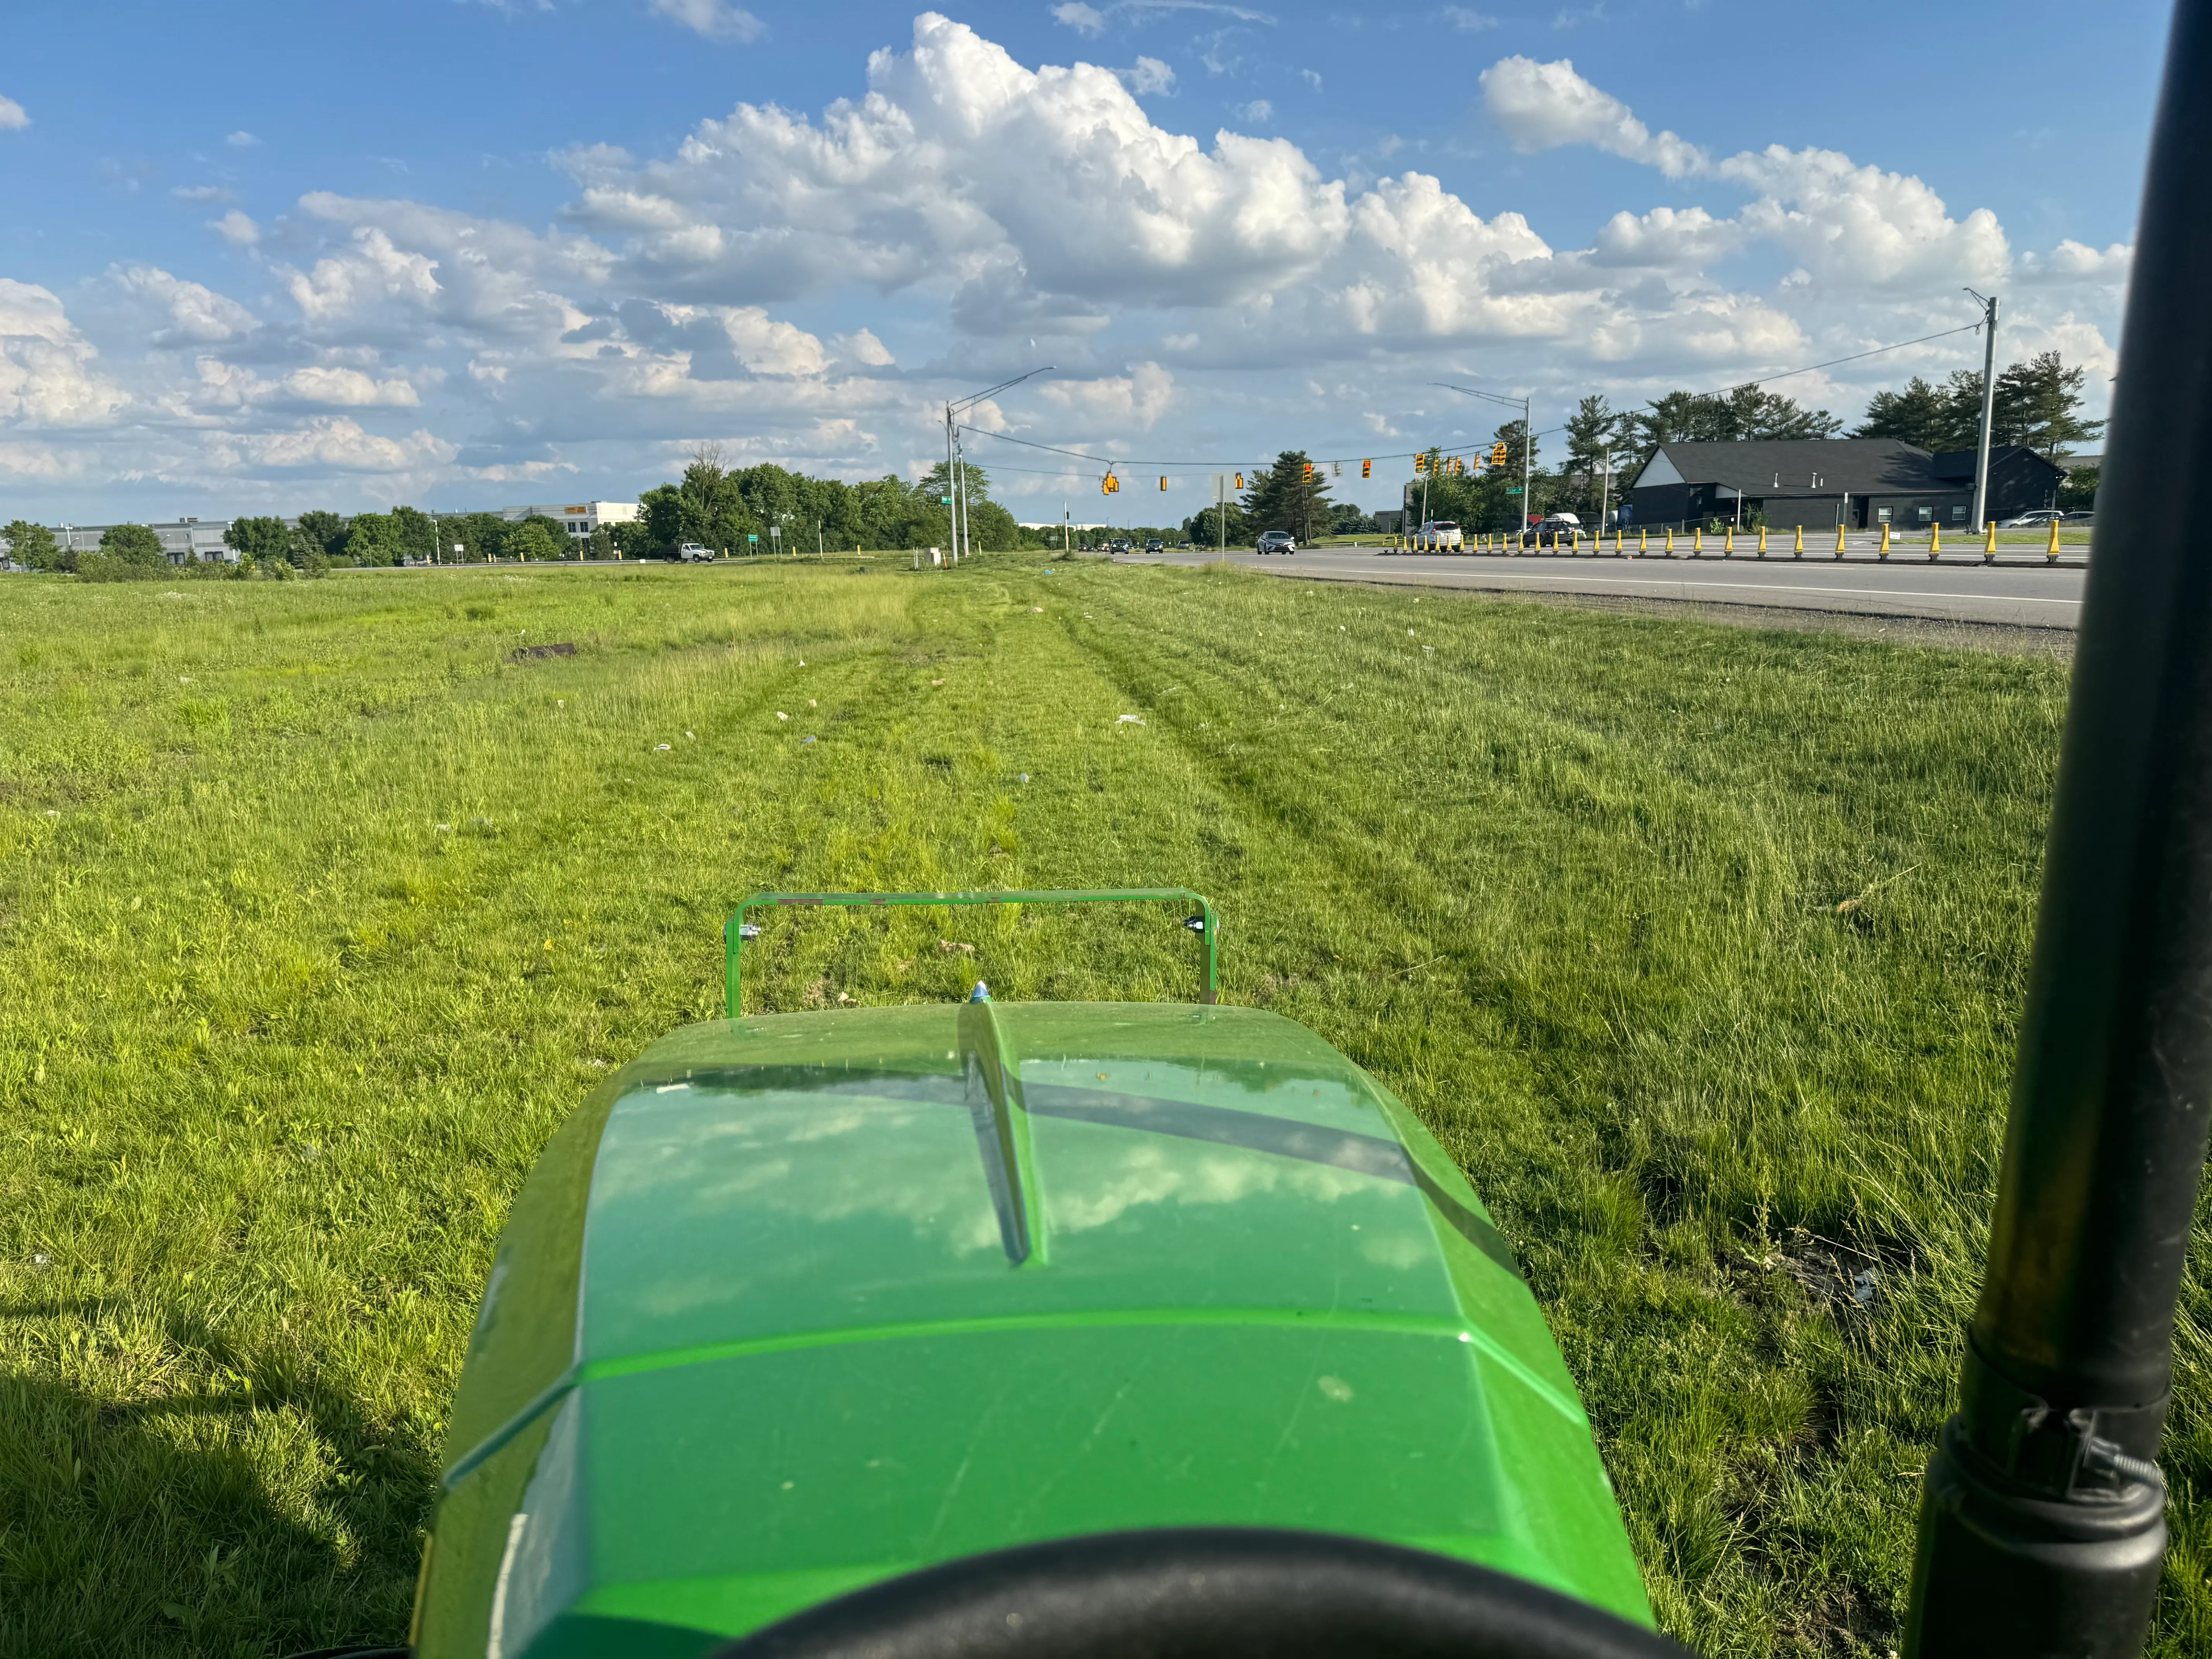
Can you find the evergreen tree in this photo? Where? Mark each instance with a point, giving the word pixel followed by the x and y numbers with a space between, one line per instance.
pixel 2035 403
pixel 1747 412
pixel 1293 495
pixel 321 532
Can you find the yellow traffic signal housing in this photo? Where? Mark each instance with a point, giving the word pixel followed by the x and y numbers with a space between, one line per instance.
pixel 1240 481
pixel 1367 469
pixel 1112 486
pixel 1421 463
pixel 1164 483
pixel 1309 469
pixel 1497 454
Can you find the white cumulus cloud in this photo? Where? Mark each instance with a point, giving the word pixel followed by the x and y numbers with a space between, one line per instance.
pixel 47 372
pixel 718 19
pixel 1084 19
pixel 236 228
pixel 12 118
pixel 1542 105
pixel 195 311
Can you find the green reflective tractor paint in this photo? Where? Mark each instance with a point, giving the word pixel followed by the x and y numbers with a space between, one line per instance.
pixel 799 1303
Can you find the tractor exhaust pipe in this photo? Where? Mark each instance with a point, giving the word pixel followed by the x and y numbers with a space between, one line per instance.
pixel 2042 1514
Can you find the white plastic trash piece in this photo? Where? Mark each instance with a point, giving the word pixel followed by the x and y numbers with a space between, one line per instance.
pixel 807 739
pixel 660 748
pixel 1130 720
pixel 781 716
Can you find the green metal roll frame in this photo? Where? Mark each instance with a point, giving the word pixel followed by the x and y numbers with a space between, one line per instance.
pixel 1204 924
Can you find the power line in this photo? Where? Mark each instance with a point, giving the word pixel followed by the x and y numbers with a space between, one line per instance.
pixel 1173 467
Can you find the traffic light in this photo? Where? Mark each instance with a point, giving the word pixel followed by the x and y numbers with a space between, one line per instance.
pixel 1309 469
pixel 1164 483
pixel 1240 481
pixel 1421 462
pixel 1112 486
pixel 1497 454
pixel 1367 469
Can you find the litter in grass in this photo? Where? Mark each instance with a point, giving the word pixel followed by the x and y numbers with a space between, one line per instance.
pixel 937 682
pixel 781 716
pixel 1025 777
pixel 1130 720
pixel 948 946
pixel 445 829
pixel 808 739
pixel 38 1258
pixel 660 748
pixel 693 736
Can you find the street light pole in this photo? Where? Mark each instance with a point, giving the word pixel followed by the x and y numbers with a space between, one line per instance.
pixel 954 409
pixel 1989 407
pixel 1526 406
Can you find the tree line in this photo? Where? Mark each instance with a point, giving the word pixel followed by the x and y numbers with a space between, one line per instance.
pixel 735 510
pixel 2036 406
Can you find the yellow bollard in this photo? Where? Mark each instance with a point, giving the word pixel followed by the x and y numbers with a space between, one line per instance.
pixel 1643 543
pixel 1840 540
pixel 1800 553
pixel 1670 541
pixel 1728 543
pixel 1573 543
pixel 2050 550
pixel 1616 541
pixel 1885 539
pixel 1989 542
pixel 1762 541
pixel 1934 542
pixel 1698 543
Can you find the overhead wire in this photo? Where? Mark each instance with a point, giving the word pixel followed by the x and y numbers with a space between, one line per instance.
pixel 1172 468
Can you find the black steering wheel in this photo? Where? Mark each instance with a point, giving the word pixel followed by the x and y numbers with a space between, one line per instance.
pixel 1204 1593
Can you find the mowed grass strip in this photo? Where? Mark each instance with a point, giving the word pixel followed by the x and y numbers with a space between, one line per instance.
pixel 319 907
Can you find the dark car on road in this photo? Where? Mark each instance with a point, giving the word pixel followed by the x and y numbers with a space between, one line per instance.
pixel 1278 541
pixel 1156 545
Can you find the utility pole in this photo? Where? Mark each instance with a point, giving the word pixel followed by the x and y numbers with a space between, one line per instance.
pixel 1527 454
pixel 952 535
pixel 953 409
pixel 1989 408
pixel 1604 490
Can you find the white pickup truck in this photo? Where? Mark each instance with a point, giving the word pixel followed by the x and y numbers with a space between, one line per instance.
pixel 692 553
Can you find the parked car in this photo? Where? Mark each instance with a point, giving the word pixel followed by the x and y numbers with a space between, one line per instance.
pixel 692 553
pixel 1278 541
pixel 2034 520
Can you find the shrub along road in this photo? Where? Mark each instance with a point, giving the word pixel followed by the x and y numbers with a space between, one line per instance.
pixel 322 904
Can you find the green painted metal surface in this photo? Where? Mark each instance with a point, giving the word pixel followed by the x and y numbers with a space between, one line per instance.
pixel 801 1302
pixel 737 930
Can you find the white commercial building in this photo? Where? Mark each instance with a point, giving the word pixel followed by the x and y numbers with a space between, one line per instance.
pixel 578 518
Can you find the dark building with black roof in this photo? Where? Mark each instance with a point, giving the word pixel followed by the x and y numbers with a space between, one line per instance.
pixel 1820 483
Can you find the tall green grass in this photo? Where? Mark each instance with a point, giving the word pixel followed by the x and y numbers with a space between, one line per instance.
pixel 319 906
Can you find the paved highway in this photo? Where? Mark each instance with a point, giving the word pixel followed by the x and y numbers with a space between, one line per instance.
pixel 2018 595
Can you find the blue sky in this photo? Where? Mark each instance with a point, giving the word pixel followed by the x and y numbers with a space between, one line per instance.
pixel 260 257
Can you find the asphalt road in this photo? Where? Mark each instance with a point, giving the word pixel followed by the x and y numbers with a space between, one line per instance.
pixel 1960 590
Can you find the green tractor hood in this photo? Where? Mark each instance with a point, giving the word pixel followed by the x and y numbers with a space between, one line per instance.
pixel 802 1302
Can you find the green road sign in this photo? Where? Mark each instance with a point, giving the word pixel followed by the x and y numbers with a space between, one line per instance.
pixel 945 500
pixel 1513 492
pixel 752 538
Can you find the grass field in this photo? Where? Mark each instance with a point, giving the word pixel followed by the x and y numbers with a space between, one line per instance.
pixel 318 910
